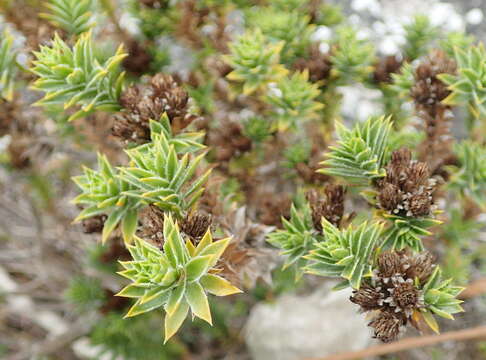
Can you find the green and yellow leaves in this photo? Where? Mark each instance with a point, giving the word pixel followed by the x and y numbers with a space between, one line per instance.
pixel 470 177
pixel 440 296
pixel 74 16
pixel 74 76
pixel 469 85
pixel 255 61
pixel 103 193
pixel 176 278
pixel 360 152
pixel 406 232
pixel 8 66
pixel 345 253
pixel 352 58
pixel 296 238
pixel 294 101
pixel 158 176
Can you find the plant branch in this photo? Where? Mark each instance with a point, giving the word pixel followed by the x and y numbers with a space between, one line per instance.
pixel 410 343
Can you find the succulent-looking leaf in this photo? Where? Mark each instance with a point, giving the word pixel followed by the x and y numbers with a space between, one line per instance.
pixel 176 278
pixel 440 297
pixel 406 232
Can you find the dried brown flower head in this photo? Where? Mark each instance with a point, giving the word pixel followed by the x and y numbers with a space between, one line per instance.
pixel 18 151
pixel 330 205
pixel 393 292
pixel 195 224
pixel 317 63
pixel 138 59
pixel 428 90
pixel 142 103
pixel 386 326
pixel 94 224
pixel 385 67
pixel 228 141
pixel 152 230
pixel 407 188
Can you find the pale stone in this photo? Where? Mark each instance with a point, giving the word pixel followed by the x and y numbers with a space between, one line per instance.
pixel 296 327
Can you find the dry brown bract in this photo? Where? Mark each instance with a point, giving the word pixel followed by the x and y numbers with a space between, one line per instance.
pixel 385 67
pixel 329 205
pixel 407 188
pixel 392 292
pixel 142 103
pixel 317 63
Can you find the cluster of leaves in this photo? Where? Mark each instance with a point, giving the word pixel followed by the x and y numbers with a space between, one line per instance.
pixel 418 35
pixel 176 278
pixel 468 86
pixel 294 101
pixel 8 66
pixel 276 25
pixel 345 253
pixel 470 177
pixel 296 238
pixel 255 61
pixel 73 16
pixel 360 153
pixel 155 176
pixel 351 56
pixel 75 76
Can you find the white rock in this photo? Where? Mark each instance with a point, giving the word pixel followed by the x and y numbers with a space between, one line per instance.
pixel 296 327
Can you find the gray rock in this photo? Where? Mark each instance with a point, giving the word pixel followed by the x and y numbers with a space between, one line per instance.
pixel 296 327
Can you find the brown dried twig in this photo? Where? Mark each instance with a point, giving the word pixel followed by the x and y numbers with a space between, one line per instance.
pixel 410 343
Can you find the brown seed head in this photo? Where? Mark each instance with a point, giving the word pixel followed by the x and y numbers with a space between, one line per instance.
pixel 386 326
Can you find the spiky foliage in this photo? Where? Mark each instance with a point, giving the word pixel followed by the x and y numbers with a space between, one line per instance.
pixel 104 193
pixel 296 238
pixel 418 34
pixel 403 81
pixel 176 278
pixel 345 253
pixel 255 61
pixel 8 66
pixel 407 232
pixel 155 176
pixel 85 293
pixel 470 177
pixel 294 101
pixel 289 5
pixel 74 16
pixel 440 296
pixel 75 76
pixel 352 58
pixel 358 157
pixel 276 25
pixel 159 177
pixel 469 85
pixel 131 339
pixel 457 39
